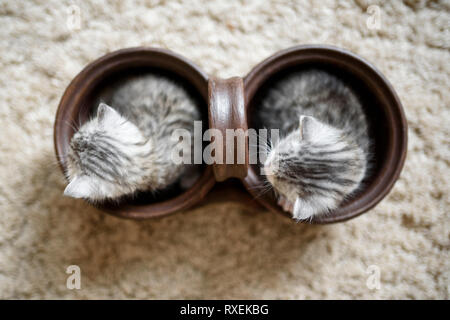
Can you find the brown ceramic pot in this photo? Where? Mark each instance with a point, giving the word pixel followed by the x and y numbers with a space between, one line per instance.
pixel 389 127
pixel 230 104
pixel 79 100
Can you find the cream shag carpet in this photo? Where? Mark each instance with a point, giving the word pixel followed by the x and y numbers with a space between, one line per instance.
pixel 224 250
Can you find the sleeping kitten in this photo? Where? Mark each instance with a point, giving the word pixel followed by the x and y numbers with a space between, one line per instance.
pixel 324 154
pixel 127 147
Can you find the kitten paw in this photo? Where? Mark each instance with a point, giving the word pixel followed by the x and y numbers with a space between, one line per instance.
pixel 302 210
pixel 285 204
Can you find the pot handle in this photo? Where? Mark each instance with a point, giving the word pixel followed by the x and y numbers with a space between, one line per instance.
pixel 228 128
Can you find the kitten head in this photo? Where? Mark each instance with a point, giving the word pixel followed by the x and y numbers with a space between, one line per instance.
pixel 103 159
pixel 314 168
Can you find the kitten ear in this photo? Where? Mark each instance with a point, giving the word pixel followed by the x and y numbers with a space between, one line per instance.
pixel 302 209
pixel 307 127
pixel 104 111
pixel 79 187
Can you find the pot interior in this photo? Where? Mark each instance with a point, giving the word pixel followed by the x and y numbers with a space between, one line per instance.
pixel 94 84
pixel 385 121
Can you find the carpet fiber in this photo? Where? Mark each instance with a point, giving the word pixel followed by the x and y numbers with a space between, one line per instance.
pixel 227 249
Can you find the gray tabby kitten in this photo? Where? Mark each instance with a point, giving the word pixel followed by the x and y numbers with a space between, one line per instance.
pixel 323 154
pixel 128 147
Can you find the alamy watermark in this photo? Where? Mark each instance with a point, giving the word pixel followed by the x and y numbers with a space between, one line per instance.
pixel 373 281
pixel 373 22
pixel 235 142
pixel 73 21
pixel 74 279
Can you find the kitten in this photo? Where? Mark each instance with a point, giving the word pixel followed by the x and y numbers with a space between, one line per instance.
pixel 324 153
pixel 128 147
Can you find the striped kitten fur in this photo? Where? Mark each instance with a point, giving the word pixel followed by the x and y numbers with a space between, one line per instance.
pixel 323 153
pixel 127 147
